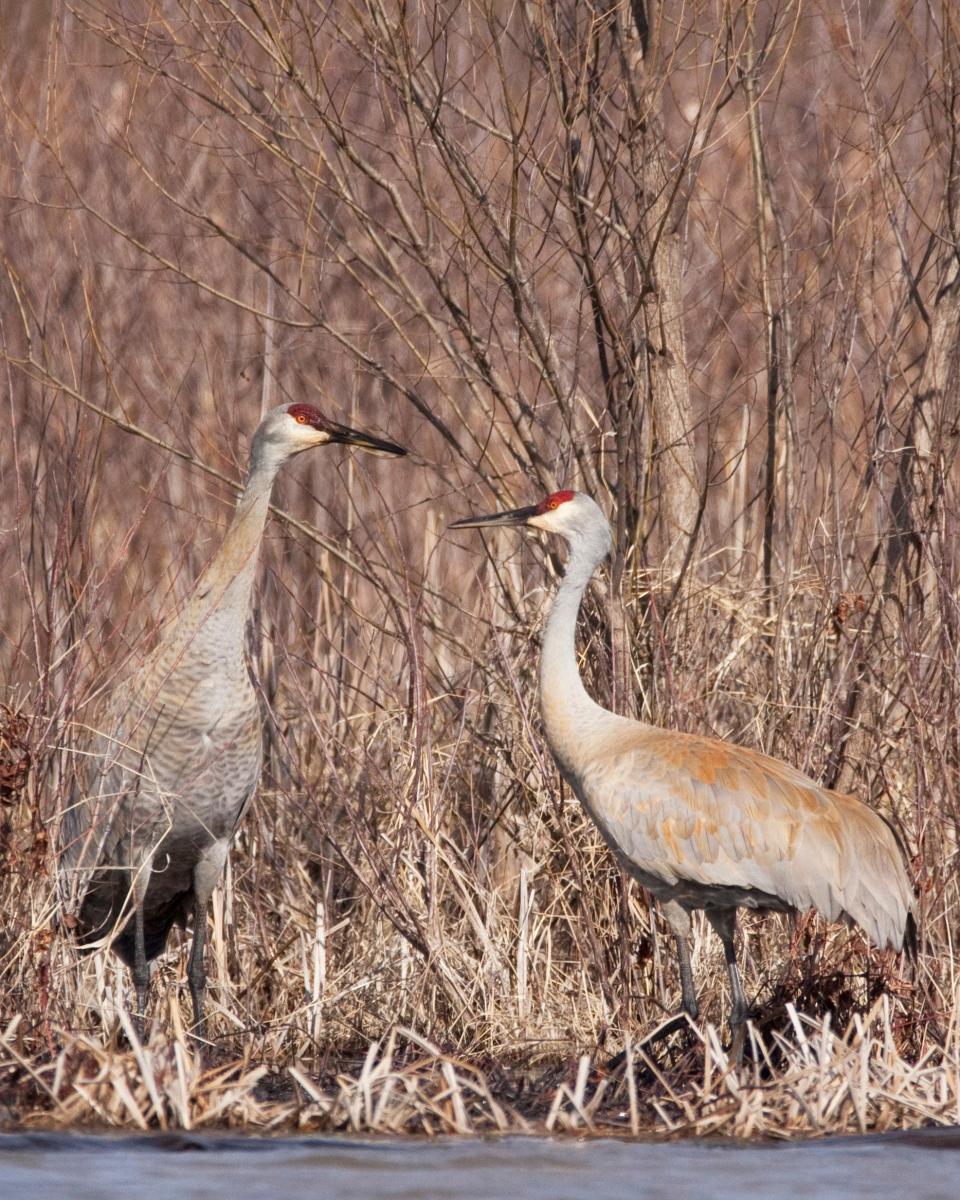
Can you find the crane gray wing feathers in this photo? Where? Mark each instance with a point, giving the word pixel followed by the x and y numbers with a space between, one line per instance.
pixel 150 761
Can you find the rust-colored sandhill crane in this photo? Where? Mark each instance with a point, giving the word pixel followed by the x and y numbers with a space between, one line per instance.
pixel 700 822
pixel 168 767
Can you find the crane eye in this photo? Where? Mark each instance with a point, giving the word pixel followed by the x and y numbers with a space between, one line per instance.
pixel 300 419
pixel 552 504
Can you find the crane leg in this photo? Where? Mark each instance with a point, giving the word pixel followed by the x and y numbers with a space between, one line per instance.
pixel 140 971
pixel 205 876
pixel 196 970
pixel 141 968
pixel 724 921
pixel 679 921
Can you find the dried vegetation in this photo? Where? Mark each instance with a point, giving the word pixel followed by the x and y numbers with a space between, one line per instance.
pixel 700 260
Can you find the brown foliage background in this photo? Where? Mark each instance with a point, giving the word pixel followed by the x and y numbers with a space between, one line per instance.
pixel 699 260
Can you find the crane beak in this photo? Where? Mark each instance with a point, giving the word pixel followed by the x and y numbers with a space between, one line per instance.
pixel 362 441
pixel 512 516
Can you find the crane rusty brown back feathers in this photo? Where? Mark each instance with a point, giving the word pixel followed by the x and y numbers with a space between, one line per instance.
pixel 702 823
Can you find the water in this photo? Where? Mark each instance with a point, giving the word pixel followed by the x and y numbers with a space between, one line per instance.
pixel 44 1166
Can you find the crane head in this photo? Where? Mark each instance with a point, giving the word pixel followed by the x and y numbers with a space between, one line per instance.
pixel 291 428
pixel 531 514
pixel 572 514
pixel 308 423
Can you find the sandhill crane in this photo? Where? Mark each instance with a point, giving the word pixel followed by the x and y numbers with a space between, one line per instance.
pixel 702 823
pixel 167 769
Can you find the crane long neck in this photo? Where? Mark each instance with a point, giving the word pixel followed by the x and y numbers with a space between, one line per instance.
pixel 234 566
pixel 216 613
pixel 563 698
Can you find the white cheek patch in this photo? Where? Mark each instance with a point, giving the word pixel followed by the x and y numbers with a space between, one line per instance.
pixel 309 436
pixel 554 520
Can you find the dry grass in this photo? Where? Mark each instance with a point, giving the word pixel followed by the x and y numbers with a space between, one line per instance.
pixel 420 930
pixel 806 1080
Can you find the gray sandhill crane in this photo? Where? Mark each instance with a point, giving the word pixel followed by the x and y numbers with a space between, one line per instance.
pixel 171 763
pixel 700 822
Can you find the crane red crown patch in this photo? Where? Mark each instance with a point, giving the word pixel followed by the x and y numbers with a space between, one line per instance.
pixel 305 414
pixel 554 501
